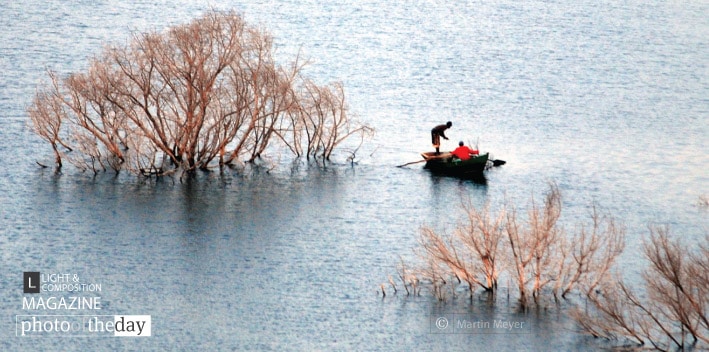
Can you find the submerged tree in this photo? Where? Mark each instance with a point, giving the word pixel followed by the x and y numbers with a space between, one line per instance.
pixel 471 254
pixel 672 311
pixel 536 253
pixel 204 93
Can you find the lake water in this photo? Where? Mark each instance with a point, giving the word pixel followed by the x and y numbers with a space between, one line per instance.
pixel 608 99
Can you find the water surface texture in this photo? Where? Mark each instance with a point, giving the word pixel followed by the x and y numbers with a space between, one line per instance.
pixel 608 99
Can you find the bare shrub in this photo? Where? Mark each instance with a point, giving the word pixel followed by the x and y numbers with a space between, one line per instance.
pixel 544 256
pixel 470 255
pixel 671 312
pixel 536 252
pixel 324 122
pixel 482 235
pixel 536 247
pixel 46 119
pixel 589 255
pixel 408 278
pixel 205 92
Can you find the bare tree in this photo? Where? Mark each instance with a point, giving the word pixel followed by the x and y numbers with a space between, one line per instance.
pixel 536 252
pixel 324 121
pixel 408 278
pixel 436 248
pixel 470 255
pixel 199 93
pixel 672 314
pixel 482 235
pixel 537 248
pixel 588 257
pixel 45 114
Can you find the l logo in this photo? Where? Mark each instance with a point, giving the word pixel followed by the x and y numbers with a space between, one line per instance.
pixel 31 281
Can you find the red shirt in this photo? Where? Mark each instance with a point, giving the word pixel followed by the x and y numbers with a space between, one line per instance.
pixel 463 152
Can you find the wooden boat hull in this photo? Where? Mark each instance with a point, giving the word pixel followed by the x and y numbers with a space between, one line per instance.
pixel 446 164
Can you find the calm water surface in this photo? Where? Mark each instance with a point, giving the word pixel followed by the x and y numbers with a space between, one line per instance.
pixel 609 100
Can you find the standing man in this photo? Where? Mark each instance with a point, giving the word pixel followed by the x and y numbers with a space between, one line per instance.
pixel 438 132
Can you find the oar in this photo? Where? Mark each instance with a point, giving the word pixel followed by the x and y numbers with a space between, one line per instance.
pixel 413 162
pixel 498 162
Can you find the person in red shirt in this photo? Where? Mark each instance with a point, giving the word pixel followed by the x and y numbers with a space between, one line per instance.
pixel 463 152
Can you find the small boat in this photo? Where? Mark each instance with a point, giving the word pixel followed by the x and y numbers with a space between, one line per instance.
pixel 445 164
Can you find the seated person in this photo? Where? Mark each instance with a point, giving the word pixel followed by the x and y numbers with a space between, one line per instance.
pixel 463 152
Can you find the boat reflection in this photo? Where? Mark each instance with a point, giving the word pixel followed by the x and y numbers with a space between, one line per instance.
pixel 475 178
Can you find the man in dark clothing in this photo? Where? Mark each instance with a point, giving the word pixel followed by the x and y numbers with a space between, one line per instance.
pixel 438 132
